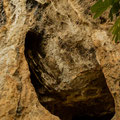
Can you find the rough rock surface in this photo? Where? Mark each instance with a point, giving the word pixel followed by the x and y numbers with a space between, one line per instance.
pixel 64 59
pixel 18 100
pixel 109 58
pixel 70 54
pixel 61 54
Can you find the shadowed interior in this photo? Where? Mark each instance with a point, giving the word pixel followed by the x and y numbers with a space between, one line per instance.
pixel 32 42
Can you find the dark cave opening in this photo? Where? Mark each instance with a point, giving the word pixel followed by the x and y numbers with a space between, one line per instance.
pixel 105 117
pixel 32 46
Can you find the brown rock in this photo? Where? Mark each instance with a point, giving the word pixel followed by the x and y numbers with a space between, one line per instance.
pixel 18 100
pixel 70 56
pixel 109 57
pixel 63 59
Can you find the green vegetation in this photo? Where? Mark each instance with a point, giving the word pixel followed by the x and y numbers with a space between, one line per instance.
pixel 114 13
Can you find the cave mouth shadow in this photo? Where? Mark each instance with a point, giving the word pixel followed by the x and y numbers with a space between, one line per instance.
pixel 31 48
pixel 104 117
pixel 32 42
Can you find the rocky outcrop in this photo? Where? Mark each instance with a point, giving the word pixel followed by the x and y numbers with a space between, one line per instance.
pixel 70 56
pixel 108 56
pixel 61 54
pixel 18 100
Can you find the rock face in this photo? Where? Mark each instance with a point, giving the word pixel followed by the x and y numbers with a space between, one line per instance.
pixel 108 56
pixel 77 86
pixel 61 54
pixel 70 56
pixel 18 100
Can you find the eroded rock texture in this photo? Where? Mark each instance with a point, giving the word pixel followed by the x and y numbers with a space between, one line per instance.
pixel 18 100
pixel 70 56
pixel 63 59
pixel 61 54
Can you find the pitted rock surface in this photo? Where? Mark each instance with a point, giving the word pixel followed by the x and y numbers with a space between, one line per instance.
pixel 18 100
pixel 74 64
pixel 63 60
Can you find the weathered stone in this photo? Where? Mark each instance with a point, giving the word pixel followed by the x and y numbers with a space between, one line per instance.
pixel 18 100
pixel 70 56
pixel 2 14
pixel 109 58
pixel 63 59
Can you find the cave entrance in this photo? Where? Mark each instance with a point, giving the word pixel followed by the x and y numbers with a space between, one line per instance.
pixel 104 117
pixel 33 43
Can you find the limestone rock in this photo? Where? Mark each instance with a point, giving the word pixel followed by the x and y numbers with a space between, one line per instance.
pixel 18 100
pixel 62 56
pixel 109 57
pixel 70 56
